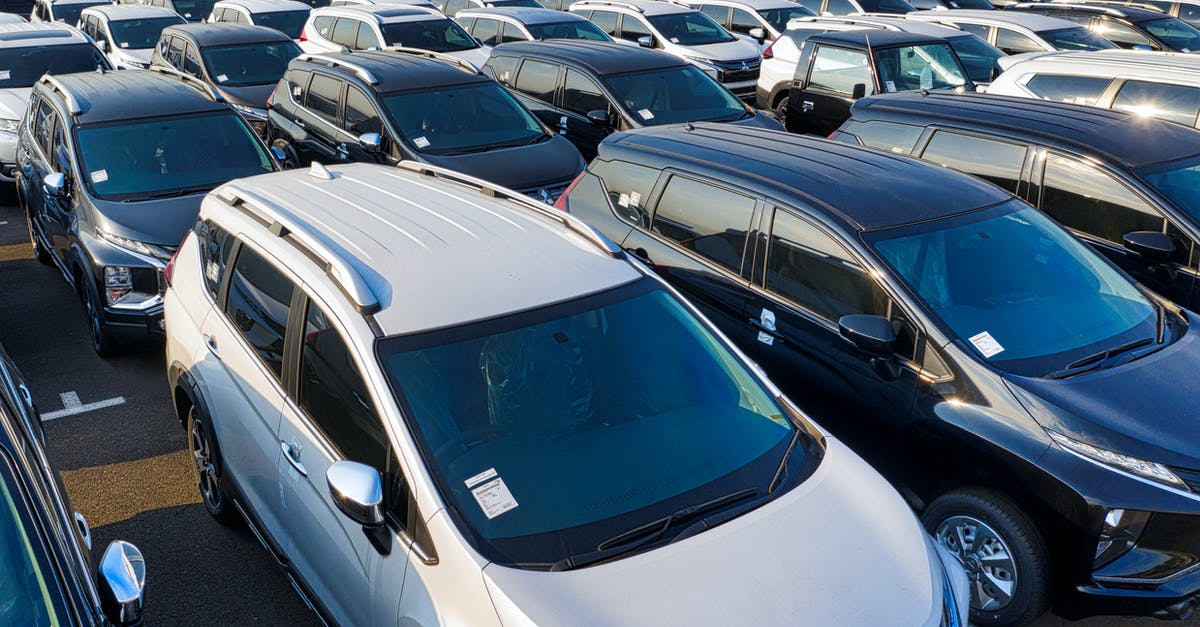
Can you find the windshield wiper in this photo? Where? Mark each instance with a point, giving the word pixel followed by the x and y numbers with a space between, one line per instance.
pixel 640 536
pixel 1098 360
pixel 175 193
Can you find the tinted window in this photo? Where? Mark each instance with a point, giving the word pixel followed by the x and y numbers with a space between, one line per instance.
pixel 1076 38
pixel 502 68
pixel 925 66
pixel 1084 90
pixel 841 7
pixel 28 582
pixel 191 62
pixel 22 67
pixel 438 35
pixel 462 119
pixel 979 30
pixel 259 300
pixel 580 94
pixel 998 162
pixel 323 95
pixel 1189 13
pixel 174 53
pixel 632 28
pixel 978 56
pixel 323 26
pixel 708 220
pixel 839 70
pixel 215 246
pixel 454 6
pixel 1084 198
pixel 345 31
pixel 1123 35
pixel 361 115
pixel 605 21
pixel 678 94
pixel 629 188
pixel 332 393
pixel 573 29
pixel 718 13
pixel 1012 42
pixel 140 34
pixel 743 22
pixel 538 80
pixel 778 18
pixel 43 126
pixel 249 64
pixel 487 31
pixel 897 138
pixel 886 6
pixel 688 29
pixel 290 23
pixel 1176 103
pixel 811 5
pixel 366 38
pixel 1176 34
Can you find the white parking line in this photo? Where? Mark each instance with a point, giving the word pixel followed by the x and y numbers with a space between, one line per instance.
pixel 3 222
pixel 80 409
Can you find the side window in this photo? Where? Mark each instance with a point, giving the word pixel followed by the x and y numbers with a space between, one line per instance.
pixel 293 86
pixel 1012 42
pixel 632 28
pixel 175 52
pixel 998 162
pixel 324 26
pixel 60 159
pixel 979 30
pixel 809 268
pixel 487 31
pixel 468 24
pixel 538 80
pixel 366 38
pixel 1087 199
pixel 839 70
pixel 605 21
pixel 718 14
pixel 331 391
pixel 344 31
pixel 361 115
pixel 511 32
pixel 323 95
pixel 259 300
pixel 629 188
pixel 454 6
pixel 1121 34
pixel 841 7
pixel 215 246
pixel 42 127
pixel 1177 103
pixel 581 95
pixel 709 220
pixel 890 136
pixel 503 68
pixel 743 22
pixel 1084 90
pixel 191 62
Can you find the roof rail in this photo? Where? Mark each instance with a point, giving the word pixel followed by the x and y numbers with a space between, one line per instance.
pixel 1062 6
pixel 614 3
pixel 281 225
pixel 361 71
pixel 73 106
pixel 429 54
pixel 495 191
pixel 1117 3
pixel 191 81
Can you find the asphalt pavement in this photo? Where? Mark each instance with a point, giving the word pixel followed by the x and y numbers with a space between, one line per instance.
pixel 112 434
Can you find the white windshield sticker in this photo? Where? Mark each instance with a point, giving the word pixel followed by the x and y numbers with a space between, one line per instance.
pixel 421 142
pixel 623 200
pixel 674 40
pixel 645 113
pixel 889 85
pixel 99 176
pixel 297 90
pixel 124 44
pixel 635 199
pixel 986 344
pixel 5 74
pixel 221 78
pixel 480 478
pixel 494 498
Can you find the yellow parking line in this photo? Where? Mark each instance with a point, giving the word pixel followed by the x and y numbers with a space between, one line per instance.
pixel 143 485
pixel 14 252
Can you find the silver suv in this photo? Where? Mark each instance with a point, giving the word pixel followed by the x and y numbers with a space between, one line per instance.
pixel 438 402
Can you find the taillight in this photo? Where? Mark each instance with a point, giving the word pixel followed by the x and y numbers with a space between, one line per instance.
pixel 303 36
pixel 832 135
pixel 170 269
pixel 270 99
pixel 561 203
pixel 767 54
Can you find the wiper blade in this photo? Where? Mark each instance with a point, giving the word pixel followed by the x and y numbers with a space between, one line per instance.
pixel 176 193
pixel 1098 360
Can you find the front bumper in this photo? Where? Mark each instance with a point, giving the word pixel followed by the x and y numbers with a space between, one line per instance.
pixel 128 325
pixel 744 90
pixel 8 157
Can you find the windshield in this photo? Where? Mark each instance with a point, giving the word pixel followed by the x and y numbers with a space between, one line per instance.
pixel 690 29
pixel 978 56
pixel 567 425
pixel 69 13
pixel 1028 296
pixel 1179 181
pixel 434 35
pixel 887 6
pixel 1176 34
pixel 1077 38
pixel 28 592
pixel 925 66
pixel 462 118
pixel 514 3
pixel 194 10
pixel 152 158
pixel 778 18
pixel 984 5
pixel 289 23
pixel 574 29
pixel 22 67
pixel 679 94
pixel 249 64
pixel 140 34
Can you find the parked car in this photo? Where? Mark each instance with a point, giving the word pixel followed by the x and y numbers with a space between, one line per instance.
pixel 1018 32
pixel 681 31
pixel 110 171
pixel 65 11
pixel 366 27
pixel 1020 389
pixel 418 106
pixel 850 7
pixel 286 16
pixel 420 3
pixel 28 51
pixel 452 7
pixel 127 33
pixel 841 67
pixel 191 10
pixel 950 5
pixel 1128 27
pixel 586 90
pixel 1160 84
pixel 759 21
pixel 508 24
pixel 46 572
pixel 1186 10
pixel 499 444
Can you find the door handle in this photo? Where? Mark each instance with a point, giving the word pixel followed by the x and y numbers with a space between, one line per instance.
pixel 300 123
pixel 211 344
pixel 807 105
pixel 292 453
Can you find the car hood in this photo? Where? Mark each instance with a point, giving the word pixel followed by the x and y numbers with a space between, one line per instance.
pixel 1144 408
pixel 761 120
pixel 727 51
pixel 161 222
pixel 140 55
pixel 249 95
pixel 521 167
pixel 842 548
pixel 13 102
pixel 474 56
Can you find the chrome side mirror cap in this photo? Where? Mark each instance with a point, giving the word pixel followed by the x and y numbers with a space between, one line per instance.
pixel 646 41
pixel 370 141
pixel 121 582
pixel 357 491
pixel 54 183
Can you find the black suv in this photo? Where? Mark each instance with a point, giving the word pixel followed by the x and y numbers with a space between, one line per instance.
pixel 1124 183
pixel 400 104
pixel 111 168
pixel 241 62
pixel 586 90
pixel 46 573
pixel 1023 392
pixel 1128 27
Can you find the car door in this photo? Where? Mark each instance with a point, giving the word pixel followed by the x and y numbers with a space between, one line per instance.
pixel 318 116
pixel 538 81
pixel 360 116
pixel 821 97
pixel 580 96
pixel 35 165
pixel 60 211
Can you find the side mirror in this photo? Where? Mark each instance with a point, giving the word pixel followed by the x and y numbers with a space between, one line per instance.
pixel 759 34
pixel 370 141
pixel 121 580
pixel 873 334
pixel 599 117
pixel 357 491
pixel 54 184
pixel 102 45
pixel 858 91
pixel 1153 245
pixel 646 41
pixel 1142 47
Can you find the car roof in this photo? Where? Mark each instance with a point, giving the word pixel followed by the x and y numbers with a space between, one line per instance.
pixel 1033 21
pixel 267 6
pixel 25 34
pixel 645 7
pixel 224 33
pixel 383 13
pixel 600 57
pixel 862 188
pixel 62 2
pixel 890 21
pixel 1161 65
pixel 400 237
pixel 757 5
pixel 875 38
pixel 524 15
pixel 395 71
pixel 1123 138
pixel 1132 13
pixel 115 12
pixel 129 95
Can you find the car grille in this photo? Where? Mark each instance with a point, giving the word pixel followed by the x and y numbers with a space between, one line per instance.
pixel 547 193
pixel 1190 477
pixel 739 70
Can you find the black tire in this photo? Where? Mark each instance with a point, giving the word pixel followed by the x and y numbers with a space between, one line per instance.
pixel 1015 532
pixel 780 110
pixel 103 342
pixel 291 158
pixel 207 464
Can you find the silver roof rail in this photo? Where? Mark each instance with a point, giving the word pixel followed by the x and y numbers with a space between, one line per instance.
pixel 429 54
pixel 200 85
pixel 361 71
pixel 496 191
pixel 281 225
pixel 73 106
pixel 614 3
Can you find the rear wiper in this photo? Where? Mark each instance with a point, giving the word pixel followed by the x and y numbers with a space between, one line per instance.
pixel 637 537
pixel 1096 361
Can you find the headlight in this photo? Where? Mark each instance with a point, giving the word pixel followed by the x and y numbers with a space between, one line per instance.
pixel 250 111
pixel 709 66
pixel 9 126
pixel 118 283
pixel 125 242
pixel 1153 471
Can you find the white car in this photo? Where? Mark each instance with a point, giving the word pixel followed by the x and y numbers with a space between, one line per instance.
pixel 127 33
pixel 12 18
pixel 683 32
pixel 65 11
pixel 498 25
pixel 419 3
pixel 286 16
pixel 366 27
pixel 440 403
pixel 1159 84
pixel 1018 32
pixel 760 21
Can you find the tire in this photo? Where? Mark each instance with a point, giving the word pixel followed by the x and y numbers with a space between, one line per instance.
pixel 291 159
pixel 780 110
pixel 103 342
pixel 1012 586
pixel 207 463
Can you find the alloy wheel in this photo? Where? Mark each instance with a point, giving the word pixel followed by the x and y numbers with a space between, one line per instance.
pixel 985 556
pixel 206 471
